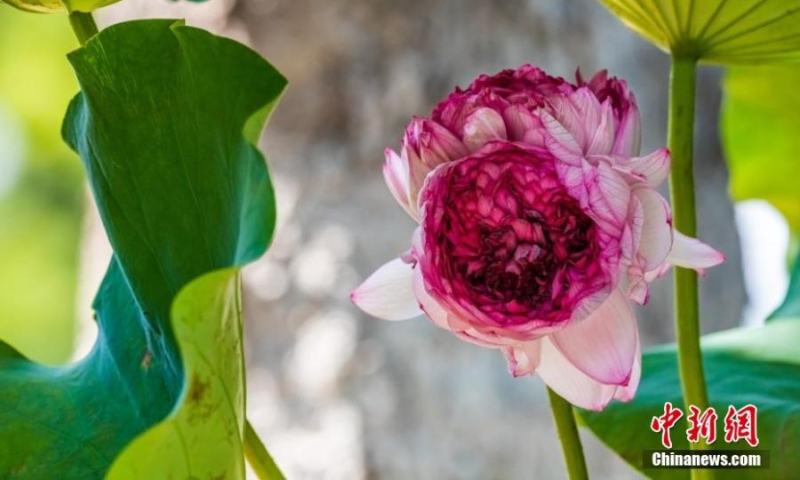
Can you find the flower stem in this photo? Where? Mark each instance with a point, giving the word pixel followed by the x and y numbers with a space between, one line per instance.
pixel 83 25
pixel 568 434
pixel 681 183
pixel 258 456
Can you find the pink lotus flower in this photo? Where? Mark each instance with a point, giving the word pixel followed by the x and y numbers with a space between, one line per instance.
pixel 538 225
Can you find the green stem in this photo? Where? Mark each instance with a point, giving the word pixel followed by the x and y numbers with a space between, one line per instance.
pixel 83 25
pixel 568 434
pixel 255 451
pixel 258 456
pixel 681 183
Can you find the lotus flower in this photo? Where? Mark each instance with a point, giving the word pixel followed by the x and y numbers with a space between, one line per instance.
pixel 539 224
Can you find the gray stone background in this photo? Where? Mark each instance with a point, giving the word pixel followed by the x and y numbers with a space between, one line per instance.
pixel 335 394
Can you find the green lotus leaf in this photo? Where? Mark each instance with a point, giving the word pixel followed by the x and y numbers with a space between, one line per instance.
pixel 759 124
pixel 717 31
pixel 790 308
pixel 44 6
pixel 165 125
pixel 759 366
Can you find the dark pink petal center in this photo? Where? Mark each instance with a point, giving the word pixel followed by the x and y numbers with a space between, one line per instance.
pixel 504 233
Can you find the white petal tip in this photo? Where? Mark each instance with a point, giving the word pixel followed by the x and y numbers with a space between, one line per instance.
pixel 598 408
pixel 718 259
pixel 388 293
pixel 624 397
pixel 523 359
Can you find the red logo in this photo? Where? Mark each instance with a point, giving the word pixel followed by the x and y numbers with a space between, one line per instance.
pixel 702 426
pixel 665 422
pixel 739 424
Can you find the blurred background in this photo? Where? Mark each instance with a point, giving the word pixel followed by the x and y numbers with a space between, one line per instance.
pixel 335 394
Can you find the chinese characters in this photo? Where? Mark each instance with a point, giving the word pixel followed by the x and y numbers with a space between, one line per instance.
pixel 739 424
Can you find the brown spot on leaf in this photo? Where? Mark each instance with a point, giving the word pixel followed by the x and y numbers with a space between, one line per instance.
pixel 197 390
pixel 147 360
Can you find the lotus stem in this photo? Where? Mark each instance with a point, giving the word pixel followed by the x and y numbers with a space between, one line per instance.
pixel 567 430
pixel 257 455
pixel 681 184
pixel 83 25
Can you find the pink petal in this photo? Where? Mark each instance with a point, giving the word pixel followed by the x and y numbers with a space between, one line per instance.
pixel 598 80
pixel 588 114
pixel 654 167
pixel 629 134
pixel 632 233
pixel 566 114
pixel 657 272
pixel 388 293
pixel 627 392
pixel 689 252
pixel 536 137
pixel 449 320
pixel 603 345
pixel 417 172
pixel 572 177
pixel 560 141
pixel 603 137
pixel 656 238
pixel 394 172
pixel 426 145
pixel 609 195
pixel 569 382
pixel 427 304
pixel 482 126
pixel 638 289
pixel 588 306
pixel 518 121
pixel 440 145
pixel 523 359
